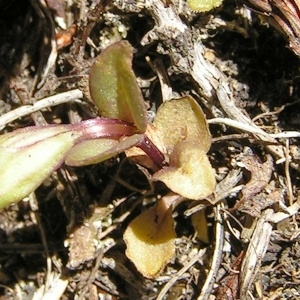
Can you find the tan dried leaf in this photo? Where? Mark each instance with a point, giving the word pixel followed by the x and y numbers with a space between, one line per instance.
pixel 260 175
pixel 81 246
pixel 182 119
pixel 200 225
pixel 150 239
pixel 190 173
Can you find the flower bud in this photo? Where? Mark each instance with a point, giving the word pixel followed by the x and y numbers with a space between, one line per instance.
pixel 28 156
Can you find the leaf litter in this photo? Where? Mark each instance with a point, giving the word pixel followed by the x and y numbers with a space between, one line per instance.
pixel 243 76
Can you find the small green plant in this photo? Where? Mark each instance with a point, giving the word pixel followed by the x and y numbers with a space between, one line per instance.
pixel 22 152
pixel 176 144
pixel 203 5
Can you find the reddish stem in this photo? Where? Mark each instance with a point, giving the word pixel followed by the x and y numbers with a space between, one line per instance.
pixel 114 128
pixel 152 151
pixel 104 128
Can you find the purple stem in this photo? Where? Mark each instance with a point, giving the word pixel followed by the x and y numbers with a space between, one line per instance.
pixel 114 128
pixel 104 127
pixel 152 151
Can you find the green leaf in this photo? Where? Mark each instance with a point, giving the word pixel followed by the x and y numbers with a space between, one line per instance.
pixel 28 156
pixel 113 86
pixel 98 150
pixel 200 225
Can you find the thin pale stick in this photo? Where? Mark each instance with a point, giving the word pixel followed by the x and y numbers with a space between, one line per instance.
pixel 173 280
pixel 41 104
pixel 217 257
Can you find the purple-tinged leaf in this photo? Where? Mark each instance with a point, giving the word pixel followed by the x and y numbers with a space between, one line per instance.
pixel 103 128
pixel 113 86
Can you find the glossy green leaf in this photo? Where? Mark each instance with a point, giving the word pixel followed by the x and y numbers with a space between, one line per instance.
pixel 113 86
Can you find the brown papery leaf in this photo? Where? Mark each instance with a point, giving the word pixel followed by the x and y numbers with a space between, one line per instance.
pixel 253 201
pixel 190 173
pixel 261 201
pixel 260 175
pixel 150 238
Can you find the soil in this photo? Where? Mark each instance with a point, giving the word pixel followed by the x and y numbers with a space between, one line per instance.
pixel 65 240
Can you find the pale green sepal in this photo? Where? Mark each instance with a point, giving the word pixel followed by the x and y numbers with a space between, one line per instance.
pixel 25 164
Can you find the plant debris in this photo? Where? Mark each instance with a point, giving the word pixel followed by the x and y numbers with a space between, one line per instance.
pixel 219 86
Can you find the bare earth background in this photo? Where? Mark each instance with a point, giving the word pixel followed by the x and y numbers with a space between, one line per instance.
pixel 65 240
